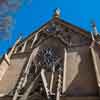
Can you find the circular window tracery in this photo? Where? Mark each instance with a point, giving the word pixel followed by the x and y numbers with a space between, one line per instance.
pixel 47 56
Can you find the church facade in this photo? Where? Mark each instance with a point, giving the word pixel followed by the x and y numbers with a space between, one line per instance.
pixel 59 61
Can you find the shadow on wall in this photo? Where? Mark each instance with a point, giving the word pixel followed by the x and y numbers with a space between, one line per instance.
pixel 84 82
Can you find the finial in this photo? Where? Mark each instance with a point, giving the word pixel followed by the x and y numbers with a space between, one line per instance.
pixel 57 12
pixel 95 32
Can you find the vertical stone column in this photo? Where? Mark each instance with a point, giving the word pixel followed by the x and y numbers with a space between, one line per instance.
pixel 59 84
pixel 35 39
pixel 52 79
pixel 65 71
pixel 95 66
pixel 45 83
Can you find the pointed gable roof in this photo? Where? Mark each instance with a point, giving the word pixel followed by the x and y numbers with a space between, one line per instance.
pixel 61 22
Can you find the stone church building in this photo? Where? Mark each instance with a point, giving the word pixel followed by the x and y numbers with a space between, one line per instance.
pixel 59 61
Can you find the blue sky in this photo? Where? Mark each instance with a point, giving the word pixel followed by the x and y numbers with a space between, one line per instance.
pixel 34 13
